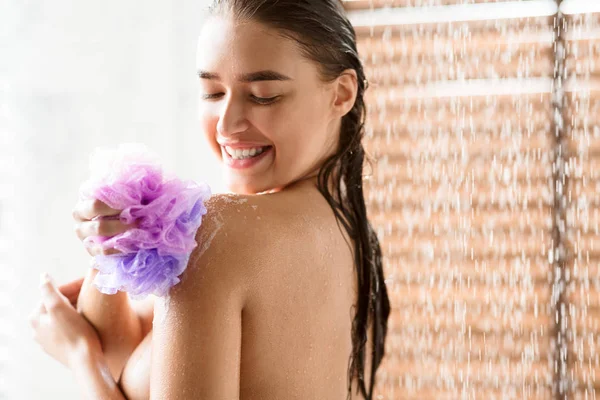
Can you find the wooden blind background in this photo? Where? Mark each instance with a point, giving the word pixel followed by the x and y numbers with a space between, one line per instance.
pixel 581 139
pixel 484 192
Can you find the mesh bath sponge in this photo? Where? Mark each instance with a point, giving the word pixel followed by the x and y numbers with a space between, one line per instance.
pixel 168 212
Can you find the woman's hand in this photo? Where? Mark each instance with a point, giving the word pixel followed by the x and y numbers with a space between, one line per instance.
pixel 116 323
pixel 57 326
pixel 95 218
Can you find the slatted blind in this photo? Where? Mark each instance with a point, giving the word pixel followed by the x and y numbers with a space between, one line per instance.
pixel 581 209
pixel 367 4
pixel 460 124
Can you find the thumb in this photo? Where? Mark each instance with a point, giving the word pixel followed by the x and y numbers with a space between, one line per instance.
pixel 51 297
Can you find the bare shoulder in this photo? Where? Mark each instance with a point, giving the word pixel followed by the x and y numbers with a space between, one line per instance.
pixel 244 239
pixel 238 221
pixel 235 236
pixel 256 219
pixel 256 229
pixel 256 255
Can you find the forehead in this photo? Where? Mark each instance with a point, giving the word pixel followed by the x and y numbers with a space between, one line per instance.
pixel 229 46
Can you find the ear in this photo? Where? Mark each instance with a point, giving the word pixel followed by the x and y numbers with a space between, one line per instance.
pixel 345 90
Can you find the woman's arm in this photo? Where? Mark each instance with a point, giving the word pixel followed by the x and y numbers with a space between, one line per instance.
pixel 197 332
pixel 145 313
pixel 93 377
pixel 115 320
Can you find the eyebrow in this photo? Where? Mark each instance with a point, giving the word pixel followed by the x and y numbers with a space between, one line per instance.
pixel 266 75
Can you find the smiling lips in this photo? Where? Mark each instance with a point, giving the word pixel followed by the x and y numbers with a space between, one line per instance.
pixel 240 154
pixel 242 157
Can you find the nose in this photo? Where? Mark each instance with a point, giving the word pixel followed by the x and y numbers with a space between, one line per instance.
pixel 232 118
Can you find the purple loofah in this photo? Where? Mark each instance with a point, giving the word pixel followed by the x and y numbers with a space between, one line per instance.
pixel 140 273
pixel 168 212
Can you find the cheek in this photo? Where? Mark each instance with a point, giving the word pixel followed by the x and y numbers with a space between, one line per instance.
pixel 208 125
pixel 306 125
pixel 300 144
pixel 270 124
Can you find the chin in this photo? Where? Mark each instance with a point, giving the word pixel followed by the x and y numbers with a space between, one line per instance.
pixel 247 187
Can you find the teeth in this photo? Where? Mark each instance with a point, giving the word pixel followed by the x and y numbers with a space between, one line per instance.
pixel 239 154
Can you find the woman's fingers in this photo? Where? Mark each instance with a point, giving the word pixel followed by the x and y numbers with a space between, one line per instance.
pixel 95 218
pixel 87 209
pixel 101 227
pixel 34 316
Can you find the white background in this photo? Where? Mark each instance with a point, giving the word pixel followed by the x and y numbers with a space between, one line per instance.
pixel 75 75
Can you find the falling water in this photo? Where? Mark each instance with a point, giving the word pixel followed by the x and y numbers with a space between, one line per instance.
pixel 484 192
pixel 581 202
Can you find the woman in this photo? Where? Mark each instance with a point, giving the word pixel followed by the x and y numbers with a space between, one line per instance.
pixel 276 298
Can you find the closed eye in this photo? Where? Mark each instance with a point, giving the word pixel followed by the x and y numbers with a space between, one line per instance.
pixel 210 96
pixel 256 99
pixel 264 100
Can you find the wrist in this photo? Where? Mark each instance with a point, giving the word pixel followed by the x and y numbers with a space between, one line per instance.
pixel 85 353
pixel 91 372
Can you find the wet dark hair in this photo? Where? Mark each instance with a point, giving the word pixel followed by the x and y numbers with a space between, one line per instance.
pixel 325 35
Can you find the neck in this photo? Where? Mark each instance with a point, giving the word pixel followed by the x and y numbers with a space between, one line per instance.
pixel 308 180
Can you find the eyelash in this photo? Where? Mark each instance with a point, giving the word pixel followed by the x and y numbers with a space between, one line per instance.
pixel 265 101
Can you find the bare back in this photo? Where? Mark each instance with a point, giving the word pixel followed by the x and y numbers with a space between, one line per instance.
pixel 297 321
